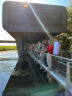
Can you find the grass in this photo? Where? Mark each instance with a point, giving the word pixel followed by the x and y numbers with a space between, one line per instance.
pixel 6 48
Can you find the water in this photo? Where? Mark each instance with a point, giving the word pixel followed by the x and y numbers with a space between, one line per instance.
pixel 30 81
pixel 6 65
pixel 6 68
pixel 8 54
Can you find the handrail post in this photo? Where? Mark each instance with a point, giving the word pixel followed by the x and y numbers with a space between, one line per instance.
pixel 49 63
pixel 67 79
pixel 41 61
pixel 41 57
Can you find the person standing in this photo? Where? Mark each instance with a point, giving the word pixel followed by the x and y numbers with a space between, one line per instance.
pixel 49 47
pixel 56 51
pixel 56 47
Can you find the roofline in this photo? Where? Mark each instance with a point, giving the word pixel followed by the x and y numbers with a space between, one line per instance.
pixel 35 3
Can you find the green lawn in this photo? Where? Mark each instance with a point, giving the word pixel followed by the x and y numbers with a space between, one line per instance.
pixel 5 48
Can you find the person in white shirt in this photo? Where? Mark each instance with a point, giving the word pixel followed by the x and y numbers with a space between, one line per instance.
pixel 56 47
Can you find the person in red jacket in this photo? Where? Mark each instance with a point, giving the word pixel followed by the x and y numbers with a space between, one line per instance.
pixel 49 48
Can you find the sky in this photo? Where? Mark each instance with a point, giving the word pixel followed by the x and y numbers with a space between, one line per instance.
pixel 4 35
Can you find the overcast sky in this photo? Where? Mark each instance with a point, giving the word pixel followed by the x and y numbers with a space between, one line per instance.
pixel 4 35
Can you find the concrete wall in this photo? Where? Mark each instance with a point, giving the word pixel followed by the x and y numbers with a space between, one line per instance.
pixel 18 18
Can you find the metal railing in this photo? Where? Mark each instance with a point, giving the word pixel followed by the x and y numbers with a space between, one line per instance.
pixel 59 65
pixel 66 54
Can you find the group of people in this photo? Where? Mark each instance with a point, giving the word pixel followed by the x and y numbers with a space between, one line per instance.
pixel 46 46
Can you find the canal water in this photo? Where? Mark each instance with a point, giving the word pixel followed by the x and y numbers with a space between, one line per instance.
pixel 28 81
pixel 6 68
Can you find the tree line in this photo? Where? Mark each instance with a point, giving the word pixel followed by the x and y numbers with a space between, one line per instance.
pixel 66 38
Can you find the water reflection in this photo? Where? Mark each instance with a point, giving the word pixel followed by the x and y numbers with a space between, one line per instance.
pixel 6 65
pixel 6 68
pixel 30 81
pixel 8 54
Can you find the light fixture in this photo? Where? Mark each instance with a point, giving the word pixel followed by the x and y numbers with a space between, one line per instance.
pixel 25 5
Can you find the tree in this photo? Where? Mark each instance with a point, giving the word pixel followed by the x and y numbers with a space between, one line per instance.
pixel 69 17
pixel 66 38
pixel 65 41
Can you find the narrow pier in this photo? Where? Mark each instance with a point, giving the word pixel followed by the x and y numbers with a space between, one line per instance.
pixel 59 68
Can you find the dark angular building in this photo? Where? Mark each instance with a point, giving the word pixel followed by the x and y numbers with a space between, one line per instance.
pixel 30 22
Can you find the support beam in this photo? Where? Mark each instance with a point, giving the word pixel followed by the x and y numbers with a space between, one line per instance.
pixel 20 48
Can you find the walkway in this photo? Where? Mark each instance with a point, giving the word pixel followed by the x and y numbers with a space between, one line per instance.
pixel 60 71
